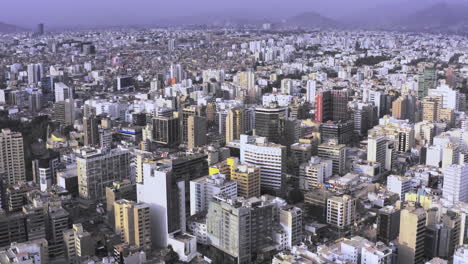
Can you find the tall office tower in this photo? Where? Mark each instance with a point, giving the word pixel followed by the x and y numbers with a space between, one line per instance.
pixel 426 81
pixel 40 29
pixel 314 173
pixel 455 184
pixel 379 150
pixel 399 108
pixel 388 224
pixel 400 185
pixel 249 119
pixel 405 139
pixel 450 154
pixel 64 112
pixel 12 166
pixel 99 168
pixel 287 86
pixel 238 228
pixel 246 80
pixel 166 130
pixel 336 153
pixel 56 222
pixel 210 112
pixel 186 168
pixel 340 99
pixel 203 189
pixel 270 122
pixel 364 117
pixel 91 131
pixel 62 92
pixel 450 97
pixel 165 196
pixel 439 238
pixel 186 113
pixel 35 101
pixel 234 124
pixel 35 73
pixel 248 180
pixel 196 128
pixel 341 211
pixel 311 90
pixel 171 44
pixel 177 72
pixel 290 219
pixel 270 157
pixel 132 221
pixel 431 107
pixel 412 233
pixel 323 106
pixel 339 131
pixel 121 190
pixel 78 243
pixel 35 221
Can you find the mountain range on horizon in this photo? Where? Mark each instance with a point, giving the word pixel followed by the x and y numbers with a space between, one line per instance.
pixel 439 17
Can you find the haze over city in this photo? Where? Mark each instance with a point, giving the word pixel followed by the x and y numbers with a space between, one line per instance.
pixel 234 132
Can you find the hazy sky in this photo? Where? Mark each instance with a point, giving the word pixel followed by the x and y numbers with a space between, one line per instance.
pixel 58 13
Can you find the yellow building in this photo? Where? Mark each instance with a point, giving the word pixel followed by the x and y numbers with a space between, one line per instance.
pixel 412 233
pixel 132 221
pixel 234 124
pixel 248 180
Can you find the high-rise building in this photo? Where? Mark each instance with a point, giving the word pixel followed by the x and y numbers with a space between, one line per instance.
pixel 12 165
pixel 388 224
pixel 340 100
pixel 379 150
pixel 431 107
pixel 248 180
pixel 311 90
pixel 234 124
pixel 399 108
pixel 341 211
pixel 35 221
pixel 166 130
pixel 314 173
pixel 336 153
pixel 270 157
pixel 412 234
pixel 35 73
pixel 426 81
pixel 323 106
pixel 120 190
pixel 164 194
pixel 78 243
pixel 64 112
pixel 40 29
pixel 340 131
pixel 186 113
pixel 57 221
pixel 91 131
pixel 270 122
pixel 99 168
pixel 203 189
pixel 62 92
pixel 132 221
pixel 400 185
pixel 238 228
pixel 196 128
pixel 455 184
pixel 290 219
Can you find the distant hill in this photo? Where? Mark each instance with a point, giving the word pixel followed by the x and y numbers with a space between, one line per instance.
pixel 7 28
pixel 439 17
pixel 312 19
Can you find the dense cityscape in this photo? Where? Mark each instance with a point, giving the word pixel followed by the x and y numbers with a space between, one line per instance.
pixel 237 145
